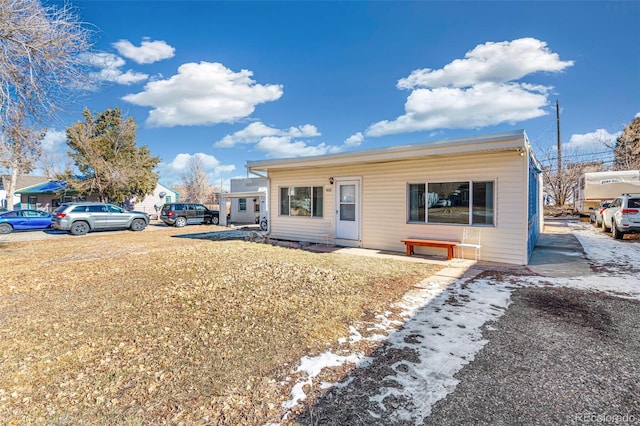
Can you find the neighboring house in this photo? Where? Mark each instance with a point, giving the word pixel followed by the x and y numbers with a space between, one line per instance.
pixel 247 199
pixel 49 195
pixel 23 181
pixel 434 190
pixel 152 204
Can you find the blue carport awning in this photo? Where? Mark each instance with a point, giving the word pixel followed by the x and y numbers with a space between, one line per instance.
pixel 50 187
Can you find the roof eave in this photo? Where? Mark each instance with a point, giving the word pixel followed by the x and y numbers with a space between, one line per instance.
pixel 497 142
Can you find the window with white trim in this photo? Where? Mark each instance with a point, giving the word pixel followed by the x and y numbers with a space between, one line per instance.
pixel 301 201
pixel 242 204
pixel 463 202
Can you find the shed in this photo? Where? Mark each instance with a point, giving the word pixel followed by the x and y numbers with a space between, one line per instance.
pixel 431 190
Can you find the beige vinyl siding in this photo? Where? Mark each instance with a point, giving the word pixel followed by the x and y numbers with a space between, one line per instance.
pixel 384 202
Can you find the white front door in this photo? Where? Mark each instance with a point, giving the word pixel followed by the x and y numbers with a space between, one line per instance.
pixel 347 209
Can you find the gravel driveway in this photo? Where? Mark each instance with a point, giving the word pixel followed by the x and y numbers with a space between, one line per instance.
pixel 558 356
pixel 565 351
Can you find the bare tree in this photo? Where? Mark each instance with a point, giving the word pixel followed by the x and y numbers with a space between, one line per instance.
pixel 40 58
pixel 196 182
pixel 54 164
pixel 40 62
pixel 627 147
pixel 20 147
pixel 561 184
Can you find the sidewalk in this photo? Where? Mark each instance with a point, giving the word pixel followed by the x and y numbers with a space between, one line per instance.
pixel 558 253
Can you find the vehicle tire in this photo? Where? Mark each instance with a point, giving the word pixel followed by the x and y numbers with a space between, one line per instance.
pixel 5 228
pixel 180 222
pixel 214 220
pixel 605 228
pixel 615 233
pixel 138 225
pixel 79 228
pixel 264 225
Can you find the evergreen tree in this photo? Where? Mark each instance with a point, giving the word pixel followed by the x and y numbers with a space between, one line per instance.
pixel 104 150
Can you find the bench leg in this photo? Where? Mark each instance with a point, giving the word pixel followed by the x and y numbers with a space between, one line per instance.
pixel 409 249
pixel 449 252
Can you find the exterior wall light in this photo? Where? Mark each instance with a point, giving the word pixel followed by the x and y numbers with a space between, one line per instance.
pixel 331 180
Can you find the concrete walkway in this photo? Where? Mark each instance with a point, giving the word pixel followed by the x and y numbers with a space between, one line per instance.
pixel 558 253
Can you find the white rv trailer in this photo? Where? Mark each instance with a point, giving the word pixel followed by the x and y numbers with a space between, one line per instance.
pixel 596 186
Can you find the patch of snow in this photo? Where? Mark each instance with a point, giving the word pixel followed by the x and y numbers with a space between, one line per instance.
pixel 444 322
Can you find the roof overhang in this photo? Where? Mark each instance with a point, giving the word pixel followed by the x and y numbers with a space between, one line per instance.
pixel 509 141
pixel 259 193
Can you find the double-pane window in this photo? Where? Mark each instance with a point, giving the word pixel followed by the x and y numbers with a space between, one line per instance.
pixel 462 202
pixel 301 201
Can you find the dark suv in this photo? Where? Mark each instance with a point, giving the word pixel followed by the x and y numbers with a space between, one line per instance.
pixel 181 214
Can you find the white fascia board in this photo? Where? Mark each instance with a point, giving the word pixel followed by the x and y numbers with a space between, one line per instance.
pixel 242 194
pixel 498 142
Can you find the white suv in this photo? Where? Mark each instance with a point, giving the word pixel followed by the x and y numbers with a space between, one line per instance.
pixel 622 216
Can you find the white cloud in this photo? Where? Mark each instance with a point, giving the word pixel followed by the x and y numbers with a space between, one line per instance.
pixel 54 142
pixel 490 62
pixel 593 141
pixel 173 170
pixel 254 132
pixel 477 91
pixel 284 146
pixel 637 115
pixel 354 140
pixel 482 105
pixel 148 52
pixel 279 143
pixel 109 69
pixel 250 134
pixel 203 93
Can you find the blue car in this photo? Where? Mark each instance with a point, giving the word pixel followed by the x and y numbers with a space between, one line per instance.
pixel 24 219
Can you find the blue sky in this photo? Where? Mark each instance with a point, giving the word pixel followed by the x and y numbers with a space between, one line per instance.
pixel 237 81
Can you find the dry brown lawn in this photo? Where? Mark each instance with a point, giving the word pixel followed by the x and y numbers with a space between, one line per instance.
pixel 143 328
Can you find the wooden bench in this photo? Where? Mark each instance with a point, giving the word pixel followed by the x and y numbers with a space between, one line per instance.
pixel 449 245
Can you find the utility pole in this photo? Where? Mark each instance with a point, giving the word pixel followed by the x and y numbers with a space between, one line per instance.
pixel 560 189
pixel 559 143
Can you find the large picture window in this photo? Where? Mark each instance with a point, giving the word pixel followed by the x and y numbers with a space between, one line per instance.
pixel 464 203
pixel 301 201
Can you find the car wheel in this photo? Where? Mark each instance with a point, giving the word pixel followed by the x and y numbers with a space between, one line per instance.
pixel 138 225
pixel 79 228
pixel 263 225
pixel 615 233
pixel 214 220
pixel 605 228
pixel 5 228
pixel 180 222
